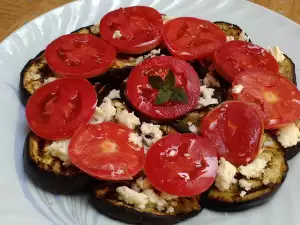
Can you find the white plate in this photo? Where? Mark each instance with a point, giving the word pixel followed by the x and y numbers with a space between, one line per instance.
pixel 21 203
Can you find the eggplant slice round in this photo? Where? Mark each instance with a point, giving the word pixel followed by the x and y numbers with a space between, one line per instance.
pixel 105 199
pixel 260 193
pixel 50 173
pixel 231 29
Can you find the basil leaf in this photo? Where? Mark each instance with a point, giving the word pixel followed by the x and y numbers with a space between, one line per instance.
pixel 170 80
pixel 156 82
pixel 163 96
pixel 179 95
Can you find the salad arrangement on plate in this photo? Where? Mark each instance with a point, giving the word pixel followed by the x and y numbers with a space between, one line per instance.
pixel 160 117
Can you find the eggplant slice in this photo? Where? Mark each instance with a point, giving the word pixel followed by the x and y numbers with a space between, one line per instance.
pixel 37 71
pixel 275 173
pixel 231 29
pixel 50 173
pixel 105 199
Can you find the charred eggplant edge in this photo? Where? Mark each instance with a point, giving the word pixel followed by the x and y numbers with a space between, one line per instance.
pixel 51 182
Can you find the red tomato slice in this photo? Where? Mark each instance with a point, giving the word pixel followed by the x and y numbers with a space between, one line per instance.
pixel 79 55
pixel 237 56
pixel 56 110
pixel 139 27
pixel 190 38
pixel 277 99
pixel 103 151
pixel 236 129
pixel 181 164
pixel 142 96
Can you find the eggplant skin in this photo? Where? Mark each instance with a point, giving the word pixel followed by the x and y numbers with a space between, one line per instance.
pixel 128 214
pixel 231 29
pixel 291 152
pixel 53 182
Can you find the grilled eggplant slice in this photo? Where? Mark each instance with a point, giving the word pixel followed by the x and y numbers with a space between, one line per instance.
pixel 50 173
pixel 105 199
pixel 231 29
pixel 37 71
pixel 263 188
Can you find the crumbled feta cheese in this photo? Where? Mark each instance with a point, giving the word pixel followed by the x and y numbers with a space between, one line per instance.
pixel 114 94
pixel 210 81
pixel 245 184
pixel 117 34
pixel 128 119
pixel 136 139
pixel 207 97
pixel 243 37
pixel 193 129
pixel 170 209
pixel 143 183
pixel 49 79
pixel 151 133
pixel 236 89
pixel 254 169
pixel 154 199
pixel 276 53
pixel 225 175
pixel 289 135
pixel 139 200
pixel 229 38
pixel 105 112
pixel 139 59
pixel 243 193
pixel 153 53
pixel 59 149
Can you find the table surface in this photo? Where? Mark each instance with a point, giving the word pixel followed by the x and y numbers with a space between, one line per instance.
pixel 15 13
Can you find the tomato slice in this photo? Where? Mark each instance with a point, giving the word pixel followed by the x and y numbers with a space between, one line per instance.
pixel 142 96
pixel 181 164
pixel 237 56
pixel 79 55
pixel 190 38
pixel 139 29
pixel 103 151
pixel 277 99
pixel 236 129
pixel 57 109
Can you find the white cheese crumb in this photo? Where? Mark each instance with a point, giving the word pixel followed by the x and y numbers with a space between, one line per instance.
pixel 245 184
pixel 254 169
pixel 143 183
pixel 236 89
pixel 154 199
pixel 193 129
pixel 128 119
pixel 136 139
pixel 59 149
pixel 276 53
pixel 114 94
pixel 289 135
pixel 139 200
pixel 229 38
pixel 210 81
pixel 225 175
pixel 153 53
pixel 207 97
pixel 151 133
pixel 105 112
pixel 243 193
pixel 117 34
pixel 49 80
pixel 243 37
pixel 170 209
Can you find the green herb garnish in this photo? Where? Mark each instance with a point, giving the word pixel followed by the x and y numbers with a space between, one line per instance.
pixel 167 89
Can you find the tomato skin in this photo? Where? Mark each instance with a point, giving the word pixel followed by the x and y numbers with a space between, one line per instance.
pixel 191 38
pixel 189 172
pixel 103 151
pixel 140 27
pixel 276 98
pixel 142 96
pixel 79 55
pixel 237 56
pixel 235 128
pixel 57 109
